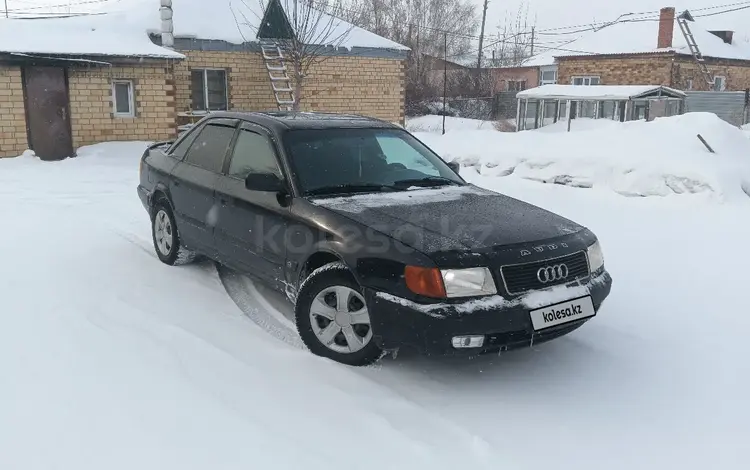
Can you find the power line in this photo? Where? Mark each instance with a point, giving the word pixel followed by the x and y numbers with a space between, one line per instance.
pixel 64 5
pixel 722 12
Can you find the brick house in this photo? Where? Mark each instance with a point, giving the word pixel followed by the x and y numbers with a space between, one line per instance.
pixel 648 50
pixel 105 77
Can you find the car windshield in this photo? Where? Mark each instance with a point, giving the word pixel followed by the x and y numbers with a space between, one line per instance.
pixel 330 161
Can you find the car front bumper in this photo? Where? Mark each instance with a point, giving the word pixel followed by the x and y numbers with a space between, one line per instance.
pixel 400 323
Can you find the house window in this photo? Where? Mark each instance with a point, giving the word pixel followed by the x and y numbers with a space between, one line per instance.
pixel 548 77
pixel 515 85
pixel 720 83
pixel 122 98
pixel 585 80
pixel 209 89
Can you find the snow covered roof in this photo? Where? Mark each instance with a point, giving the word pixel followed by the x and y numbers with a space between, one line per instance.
pixel 596 92
pixel 238 21
pixel 123 28
pixel 114 34
pixel 639 37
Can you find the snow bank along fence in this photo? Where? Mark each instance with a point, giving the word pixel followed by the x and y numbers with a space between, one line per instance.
pixel 731 106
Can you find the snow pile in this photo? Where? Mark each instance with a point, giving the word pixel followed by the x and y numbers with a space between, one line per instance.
pixel 433 123
pixel 659 158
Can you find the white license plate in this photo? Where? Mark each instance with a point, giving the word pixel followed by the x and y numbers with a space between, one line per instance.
pixel 564 312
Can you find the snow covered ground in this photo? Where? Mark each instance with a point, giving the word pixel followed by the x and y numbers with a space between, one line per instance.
pixel 435 124
pixel 642 159
pixel 112 360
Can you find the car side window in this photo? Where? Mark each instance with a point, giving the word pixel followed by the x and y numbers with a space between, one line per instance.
pixel 210 147
pixel 182 147
pixel 253 153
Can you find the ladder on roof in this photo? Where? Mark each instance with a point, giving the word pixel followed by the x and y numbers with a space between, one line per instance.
pixel 281 84
pixel 682 21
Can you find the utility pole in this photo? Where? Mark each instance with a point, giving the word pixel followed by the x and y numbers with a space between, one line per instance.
pixel 481 43
pixel 6 8
pixel 533 30
pixel 445 73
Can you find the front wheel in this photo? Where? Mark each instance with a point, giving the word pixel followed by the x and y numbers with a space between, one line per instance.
pixel 332 317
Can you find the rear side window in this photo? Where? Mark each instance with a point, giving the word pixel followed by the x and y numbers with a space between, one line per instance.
pixel 210 147
pixel 182 147
pixel 252 153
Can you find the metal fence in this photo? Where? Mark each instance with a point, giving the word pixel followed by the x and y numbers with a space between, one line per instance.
pixel 728 105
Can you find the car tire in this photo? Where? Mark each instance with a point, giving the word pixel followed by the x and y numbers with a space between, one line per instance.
pixel 166 237
pixel 332 317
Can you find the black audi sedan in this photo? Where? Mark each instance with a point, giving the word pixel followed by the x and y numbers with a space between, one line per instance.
pixel 377 241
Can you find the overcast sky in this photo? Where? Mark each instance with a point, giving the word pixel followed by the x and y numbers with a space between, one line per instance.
pixel 556 13
pixel 548 13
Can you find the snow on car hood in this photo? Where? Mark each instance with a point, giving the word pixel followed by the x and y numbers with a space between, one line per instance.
pixel 451 218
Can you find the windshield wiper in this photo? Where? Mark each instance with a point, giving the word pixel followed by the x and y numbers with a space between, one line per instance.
pixel 427 182
pixel 351 189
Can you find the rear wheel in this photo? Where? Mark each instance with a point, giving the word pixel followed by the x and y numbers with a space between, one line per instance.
pixel 167 243
pixel 332 317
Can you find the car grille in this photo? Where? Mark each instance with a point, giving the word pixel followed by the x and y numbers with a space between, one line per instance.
pixel 520 278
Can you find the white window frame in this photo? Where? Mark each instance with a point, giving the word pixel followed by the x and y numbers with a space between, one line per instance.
pixel 585 79
pixel 723 83
pixel 205 86
pixel 516 81
pixel 542 71
pixel 131 98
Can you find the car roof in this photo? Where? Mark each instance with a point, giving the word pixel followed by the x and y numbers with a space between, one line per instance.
pixel 285 120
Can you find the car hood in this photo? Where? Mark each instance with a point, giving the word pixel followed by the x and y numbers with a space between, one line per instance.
pixel 451 218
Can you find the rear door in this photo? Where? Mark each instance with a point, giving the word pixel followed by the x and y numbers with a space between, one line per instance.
pixel 251 227
pixel 193 184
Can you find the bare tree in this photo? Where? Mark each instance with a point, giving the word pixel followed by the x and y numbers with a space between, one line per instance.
pixel 514 41
pixel 432 29
pixel 310 30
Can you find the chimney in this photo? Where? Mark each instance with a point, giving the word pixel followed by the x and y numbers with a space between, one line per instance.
pixel 167 25
pixel 666 28
pixel 725 36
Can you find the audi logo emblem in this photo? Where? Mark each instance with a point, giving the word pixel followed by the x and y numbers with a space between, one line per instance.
pixel 548 274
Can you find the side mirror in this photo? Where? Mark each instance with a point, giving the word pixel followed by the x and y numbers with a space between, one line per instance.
pixel 267 182
pixel 455 166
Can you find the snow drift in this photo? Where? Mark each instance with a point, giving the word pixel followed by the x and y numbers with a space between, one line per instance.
pixel 659 158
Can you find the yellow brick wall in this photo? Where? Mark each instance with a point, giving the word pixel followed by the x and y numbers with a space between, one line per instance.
pixel 641 70
pixel 13 138
pixel 667 70
pixel 367 86
pixel 91 108
pixel 737 74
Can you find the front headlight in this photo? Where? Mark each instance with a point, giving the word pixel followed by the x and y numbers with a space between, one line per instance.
pixel 596 257
pixel 468 282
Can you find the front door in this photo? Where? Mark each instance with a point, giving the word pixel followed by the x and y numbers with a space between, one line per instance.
pixel 48 112
pixel 251 227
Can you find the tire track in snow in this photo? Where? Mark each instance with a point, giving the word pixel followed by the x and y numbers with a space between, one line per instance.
pixel 243 293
